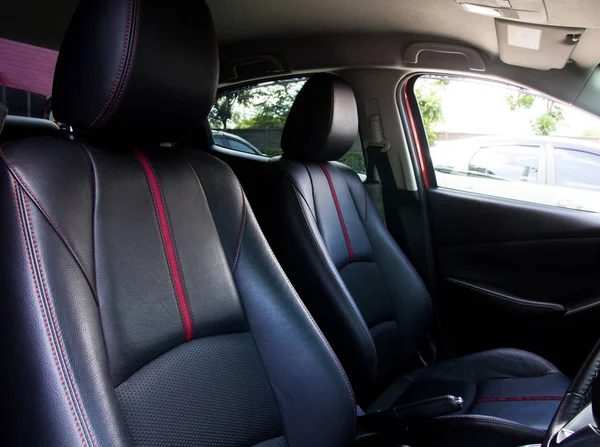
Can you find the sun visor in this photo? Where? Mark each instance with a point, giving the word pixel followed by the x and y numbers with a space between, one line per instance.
pixel 541 47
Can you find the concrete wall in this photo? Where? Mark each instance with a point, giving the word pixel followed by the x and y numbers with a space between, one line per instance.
pixel 271 138
pixel 449 136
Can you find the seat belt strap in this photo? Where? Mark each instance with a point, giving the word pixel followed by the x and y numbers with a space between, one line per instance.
pixel 375 147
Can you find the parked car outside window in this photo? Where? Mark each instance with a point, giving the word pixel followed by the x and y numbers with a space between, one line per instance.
pixel 231 141
pixel 499 140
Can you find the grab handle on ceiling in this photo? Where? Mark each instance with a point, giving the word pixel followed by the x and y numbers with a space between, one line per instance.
pixel 473 57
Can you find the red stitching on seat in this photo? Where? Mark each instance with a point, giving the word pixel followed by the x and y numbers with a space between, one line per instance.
pixel 517 399
pixel 117 77
pixel 339 212
pixel 36 200
pixel 169 246
pixel 48 216
pixel 55 325
pixel 116 103
pixel 45 318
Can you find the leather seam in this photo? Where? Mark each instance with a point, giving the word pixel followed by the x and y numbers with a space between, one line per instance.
pixel 53 345
pixel 48 216
pixel 354 311
pixel 62 351
pixel 516 399
pixel 129 63
pixel 300 192
pixel 331 112
pixel 241 232
pixel 518 353
pixel 366 203
pixel 476 419
pixel 339 212
pixel 374 260
pixel 316 327
pixel 121 65
pixel 94 196
pixel 169 247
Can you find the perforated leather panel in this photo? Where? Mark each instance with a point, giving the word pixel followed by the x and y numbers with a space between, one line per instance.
pixel 193 395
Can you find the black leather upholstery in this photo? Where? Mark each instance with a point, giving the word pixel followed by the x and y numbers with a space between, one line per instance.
pixel 349 278
pixel 327 107
pixel 137 69
pixel 369 300
pixel 141 302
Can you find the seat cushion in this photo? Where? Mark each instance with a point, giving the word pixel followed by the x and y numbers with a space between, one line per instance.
pixel 508 386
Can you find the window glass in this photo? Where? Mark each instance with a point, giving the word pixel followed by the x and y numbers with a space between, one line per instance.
pixel 512 163
pixel 577 169
pixel 24 103
pixel 257 115
pixel 499 140
pixel 26 73
pixel 236 145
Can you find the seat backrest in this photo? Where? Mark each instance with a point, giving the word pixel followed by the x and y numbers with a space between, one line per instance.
pixel 141 302
pixel 362 290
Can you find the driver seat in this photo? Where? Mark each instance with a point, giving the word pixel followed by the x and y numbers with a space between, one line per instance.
pixel 367 297
pixel 141 304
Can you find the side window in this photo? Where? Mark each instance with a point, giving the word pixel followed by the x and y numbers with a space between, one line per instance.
pixel 577 169
pixel 26 79
pixel 499 140
pixel 256 115
pixel 511 163
pixel 238 146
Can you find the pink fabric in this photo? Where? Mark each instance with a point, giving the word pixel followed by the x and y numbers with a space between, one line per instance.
pixel 27 67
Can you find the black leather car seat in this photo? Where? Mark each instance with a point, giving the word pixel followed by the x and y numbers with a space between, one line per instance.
pixel 141 303
pixel 365 294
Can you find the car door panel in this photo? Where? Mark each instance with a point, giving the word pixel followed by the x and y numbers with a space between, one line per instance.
pixel 517 274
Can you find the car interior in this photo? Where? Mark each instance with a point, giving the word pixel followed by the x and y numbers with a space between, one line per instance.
pixel 398 246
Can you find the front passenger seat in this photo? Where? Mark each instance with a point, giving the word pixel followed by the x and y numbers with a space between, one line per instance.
pixel 368 298
pixel 141 304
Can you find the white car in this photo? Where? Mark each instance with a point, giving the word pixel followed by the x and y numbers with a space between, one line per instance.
pixel 547 170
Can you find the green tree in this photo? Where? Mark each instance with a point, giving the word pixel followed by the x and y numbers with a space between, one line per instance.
pixel 430 105
pixel 519 101
pixel 548 122
pixel 272 104
pixel 545 124
pixel 355 161
pixel 222 111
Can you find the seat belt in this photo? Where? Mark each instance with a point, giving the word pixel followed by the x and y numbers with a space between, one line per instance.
pixel 382 191
pixel 375 147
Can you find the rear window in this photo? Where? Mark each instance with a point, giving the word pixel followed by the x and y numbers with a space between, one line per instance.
pixel 251 120
pixel 26 73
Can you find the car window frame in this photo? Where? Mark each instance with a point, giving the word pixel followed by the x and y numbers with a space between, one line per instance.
pixel 420 151
pixel 542 160
pixel 552 164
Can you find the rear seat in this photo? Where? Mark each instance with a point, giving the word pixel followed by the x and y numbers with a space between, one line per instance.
pixel 18 127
